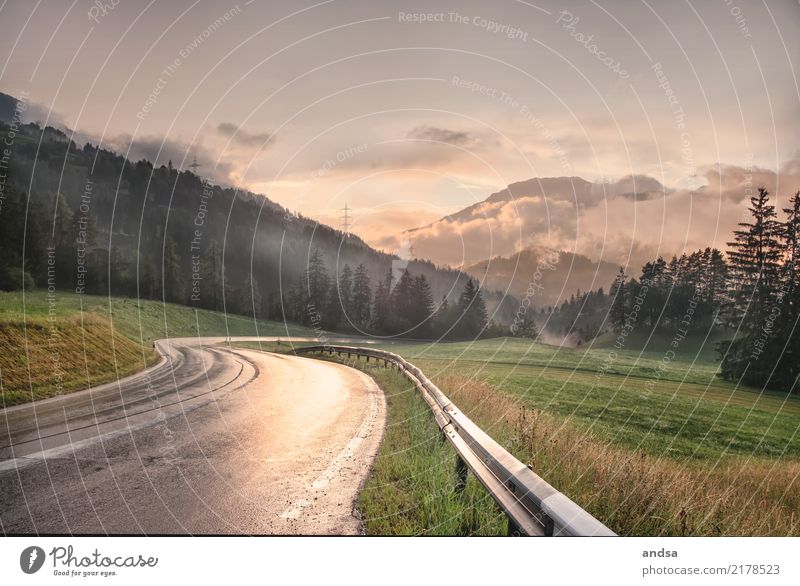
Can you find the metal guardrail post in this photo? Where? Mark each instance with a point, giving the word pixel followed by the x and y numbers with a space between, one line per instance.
pixel 461 474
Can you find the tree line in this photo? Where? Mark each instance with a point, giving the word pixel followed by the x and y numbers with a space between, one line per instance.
pixel 752 293
pixel 399 306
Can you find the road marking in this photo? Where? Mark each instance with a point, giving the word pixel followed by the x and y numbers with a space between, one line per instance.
pixel 186 406
pixel 352 447
pixel 24 461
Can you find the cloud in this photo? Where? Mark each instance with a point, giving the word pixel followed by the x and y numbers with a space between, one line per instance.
pixel 436 134
pixel 38 113
pixel 243 137
pixel 638 187
pixel 378 227
pixel 627 221
pixel 736 184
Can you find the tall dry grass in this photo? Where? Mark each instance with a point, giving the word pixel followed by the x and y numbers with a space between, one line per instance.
pixel 632 492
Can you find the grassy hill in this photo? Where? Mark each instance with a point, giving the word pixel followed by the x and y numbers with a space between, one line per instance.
pixel 54 345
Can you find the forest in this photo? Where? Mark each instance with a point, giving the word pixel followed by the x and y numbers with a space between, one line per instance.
pixel 87 219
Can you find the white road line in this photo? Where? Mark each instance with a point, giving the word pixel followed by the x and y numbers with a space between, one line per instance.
pixel 66 449
pixel 352 447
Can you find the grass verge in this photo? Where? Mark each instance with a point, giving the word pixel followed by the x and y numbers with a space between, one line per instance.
pixel 412 488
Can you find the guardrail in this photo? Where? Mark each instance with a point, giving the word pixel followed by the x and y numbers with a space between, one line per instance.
pixel 533 506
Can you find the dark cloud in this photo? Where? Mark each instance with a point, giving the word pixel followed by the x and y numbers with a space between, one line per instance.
pixel 242 137
pixel 441 135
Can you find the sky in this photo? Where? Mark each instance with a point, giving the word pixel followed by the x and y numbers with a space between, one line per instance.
pixel 409 111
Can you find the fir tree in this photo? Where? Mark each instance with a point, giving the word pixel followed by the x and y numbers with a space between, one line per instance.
pixel 345 287
pixel 753 264
pixel 211 277
pixel 382 316
pixel 362 298
pixel 172 275
pixel 316 288
pixel 472 309
pixel 402 303
pixel 619 301
pixel 755 270
pixel 421 303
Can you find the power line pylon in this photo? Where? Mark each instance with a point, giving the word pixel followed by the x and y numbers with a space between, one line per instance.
pixel 345 227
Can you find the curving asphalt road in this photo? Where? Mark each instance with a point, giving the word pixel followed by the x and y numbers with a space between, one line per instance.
pixel 212 440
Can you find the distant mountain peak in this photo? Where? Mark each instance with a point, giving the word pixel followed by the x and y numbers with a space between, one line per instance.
pixel 536 211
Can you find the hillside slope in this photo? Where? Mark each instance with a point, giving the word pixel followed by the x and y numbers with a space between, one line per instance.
pixel 54 345
pixel 551 276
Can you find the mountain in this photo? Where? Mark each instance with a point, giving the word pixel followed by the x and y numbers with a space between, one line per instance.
pixel 546 277
pixel 8 106
pixel 157 232
pixel 536 212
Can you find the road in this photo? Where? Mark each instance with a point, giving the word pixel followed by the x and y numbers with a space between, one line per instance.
pixel 213 440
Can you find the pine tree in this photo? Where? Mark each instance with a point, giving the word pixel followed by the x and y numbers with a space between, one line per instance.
pixel 62 225
pixel 402 303
pixel 654 276
pixel 787 334
pixel 754 255
pixel 362 298
pixel 472 309
pixel 294 304
pixel 421 303
pixel 211 277
pixel 172 275
pixel 345 291
pixel 618 303
pixel 791 240
pixel 716 282
pixel 755 270
pixel 250 301
pixel 316 288
pixel 340 302
pixel 382 316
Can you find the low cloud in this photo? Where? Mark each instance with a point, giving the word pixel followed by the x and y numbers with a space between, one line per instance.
pixel 736 184
pixel 242 137
pixel 627 221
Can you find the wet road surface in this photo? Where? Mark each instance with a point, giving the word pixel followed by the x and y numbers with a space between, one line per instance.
pixel 214 440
